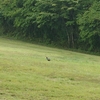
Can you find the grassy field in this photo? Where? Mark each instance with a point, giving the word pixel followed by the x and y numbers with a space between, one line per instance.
pixel 25 74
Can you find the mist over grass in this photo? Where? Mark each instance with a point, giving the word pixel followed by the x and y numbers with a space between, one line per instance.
pixel 25 74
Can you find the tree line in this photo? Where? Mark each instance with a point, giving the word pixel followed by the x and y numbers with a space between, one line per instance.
pixel 67 23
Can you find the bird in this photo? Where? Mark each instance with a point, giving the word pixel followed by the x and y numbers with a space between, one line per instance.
pixel 48 59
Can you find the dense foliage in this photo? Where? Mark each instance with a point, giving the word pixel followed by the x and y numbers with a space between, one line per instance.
pixel 68 23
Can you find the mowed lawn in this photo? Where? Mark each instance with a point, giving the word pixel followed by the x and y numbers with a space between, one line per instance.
pixel 25 74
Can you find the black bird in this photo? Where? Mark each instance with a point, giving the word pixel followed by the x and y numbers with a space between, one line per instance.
pixel 48 58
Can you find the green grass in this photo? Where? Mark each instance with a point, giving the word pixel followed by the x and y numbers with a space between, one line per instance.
pixel 25 74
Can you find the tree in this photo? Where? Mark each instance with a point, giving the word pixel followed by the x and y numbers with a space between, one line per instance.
pixel 90 27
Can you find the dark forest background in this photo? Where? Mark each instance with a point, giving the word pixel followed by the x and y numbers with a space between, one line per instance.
pixel 71 24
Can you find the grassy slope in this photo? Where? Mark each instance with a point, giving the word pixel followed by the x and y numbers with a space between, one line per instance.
pixel 26 75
